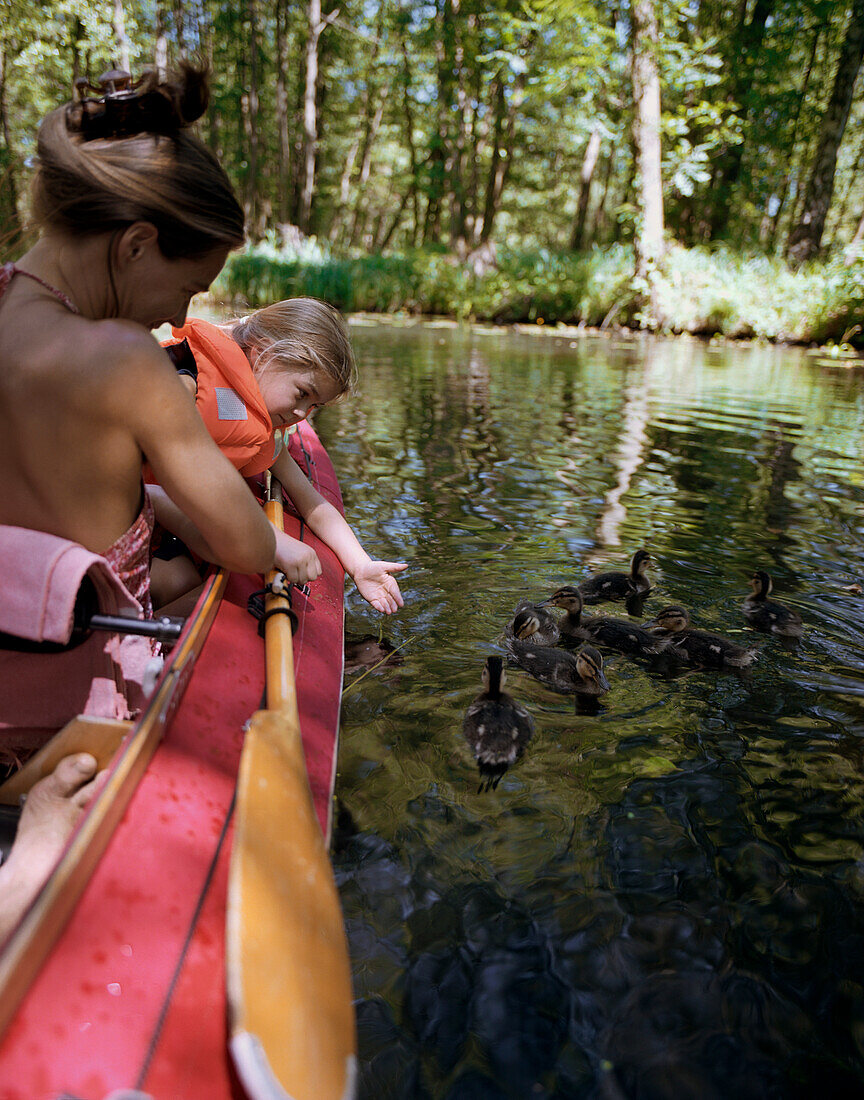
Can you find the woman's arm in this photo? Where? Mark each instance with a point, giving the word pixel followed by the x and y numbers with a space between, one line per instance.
pixel 372 578
pixel 207 492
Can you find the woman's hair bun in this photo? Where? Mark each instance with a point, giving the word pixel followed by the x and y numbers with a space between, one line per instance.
pixel 149 105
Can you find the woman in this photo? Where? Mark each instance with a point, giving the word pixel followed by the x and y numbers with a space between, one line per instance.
pixel 136 217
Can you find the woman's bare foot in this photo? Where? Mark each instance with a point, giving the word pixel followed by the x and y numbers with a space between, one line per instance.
pixel 51 812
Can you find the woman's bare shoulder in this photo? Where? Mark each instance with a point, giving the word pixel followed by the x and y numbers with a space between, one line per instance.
pixel 119 344
pixel 110 369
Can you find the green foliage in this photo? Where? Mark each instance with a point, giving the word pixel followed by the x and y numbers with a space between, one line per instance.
pixel 447 125
pixel 699 291
pixel 526 287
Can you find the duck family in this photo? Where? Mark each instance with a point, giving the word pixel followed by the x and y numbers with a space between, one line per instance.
pixel 541 644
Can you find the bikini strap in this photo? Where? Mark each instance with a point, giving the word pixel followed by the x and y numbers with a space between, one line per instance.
pixel 10 270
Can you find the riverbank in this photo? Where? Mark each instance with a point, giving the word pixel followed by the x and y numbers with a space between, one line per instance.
pixel 700 292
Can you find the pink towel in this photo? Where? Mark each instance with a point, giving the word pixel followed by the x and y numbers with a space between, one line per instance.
pixel 40 575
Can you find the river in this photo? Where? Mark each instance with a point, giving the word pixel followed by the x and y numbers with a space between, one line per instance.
pixel 662 899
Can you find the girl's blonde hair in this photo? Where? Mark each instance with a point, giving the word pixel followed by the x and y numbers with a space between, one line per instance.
pixel 300 332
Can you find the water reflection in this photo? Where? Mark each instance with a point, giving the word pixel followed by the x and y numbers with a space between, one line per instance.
pixel 663 898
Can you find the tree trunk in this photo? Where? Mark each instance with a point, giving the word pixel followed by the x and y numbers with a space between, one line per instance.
pixel 478 132
pixel 284 174
pixel 589 163
pixel 180 27
pixel 495 181
pixel 438 160
pixel 204 30
pixel 160 48
pixel 75 42
pixel 787 177
pixel 345 187
pixel 310 116
pixel 600 218
pixel 364 126
pixel 372 127
pixel 806 236
pixel 408 110
pixel 121 36
pixel 503 141
pixel 746 46
pixel 648 242
pixel 381 244
pixel 458 211
pixel 249 101
pixel 854 246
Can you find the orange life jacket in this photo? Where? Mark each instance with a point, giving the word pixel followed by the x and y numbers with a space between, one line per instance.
pixel 229 400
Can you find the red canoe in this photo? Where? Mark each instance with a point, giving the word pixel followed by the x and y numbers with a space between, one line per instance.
pixel 132 996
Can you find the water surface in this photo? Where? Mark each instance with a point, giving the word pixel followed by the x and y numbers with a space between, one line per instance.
pixel 663 899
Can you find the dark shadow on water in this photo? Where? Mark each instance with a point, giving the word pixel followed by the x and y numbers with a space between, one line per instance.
pixel 368 650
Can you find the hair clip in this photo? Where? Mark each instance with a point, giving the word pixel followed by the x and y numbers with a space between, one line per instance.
pixel 113 84
pixel 121 110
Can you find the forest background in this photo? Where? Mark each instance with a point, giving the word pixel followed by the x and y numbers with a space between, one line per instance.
pixel 680 166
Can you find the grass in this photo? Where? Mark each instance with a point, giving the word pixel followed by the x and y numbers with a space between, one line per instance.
pixel 700 291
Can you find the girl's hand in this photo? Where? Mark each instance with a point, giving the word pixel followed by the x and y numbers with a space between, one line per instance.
pixel 377 587
pixel 297 560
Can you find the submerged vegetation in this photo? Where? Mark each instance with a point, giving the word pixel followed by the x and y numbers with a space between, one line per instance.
pixel 699 291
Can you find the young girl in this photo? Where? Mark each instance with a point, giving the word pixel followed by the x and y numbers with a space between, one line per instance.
pixel 256 378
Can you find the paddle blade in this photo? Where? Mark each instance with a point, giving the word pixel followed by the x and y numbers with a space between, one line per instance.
pixel 289 978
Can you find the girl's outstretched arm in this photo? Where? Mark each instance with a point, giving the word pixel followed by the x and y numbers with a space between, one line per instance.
pixel 374 579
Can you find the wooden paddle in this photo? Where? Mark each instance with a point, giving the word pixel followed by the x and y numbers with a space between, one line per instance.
pixel 288 973
pixel 28 946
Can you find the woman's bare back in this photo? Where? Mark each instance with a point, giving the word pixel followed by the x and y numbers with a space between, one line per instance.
pixel 68 464
pixel 83 402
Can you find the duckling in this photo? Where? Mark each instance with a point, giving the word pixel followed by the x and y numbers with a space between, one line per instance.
pixel 617 634
pixel 699 647
pixel 769 615
pixel 533 623
pixel 618 586
pixel 496 727
pixel 578 673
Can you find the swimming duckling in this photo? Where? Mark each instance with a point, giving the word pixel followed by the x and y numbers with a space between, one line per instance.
pixel 533 623
pixel 578 673
pixel 605 630
pixel 700 647
pixel 618 586
pixel 769 615
pixel 496 727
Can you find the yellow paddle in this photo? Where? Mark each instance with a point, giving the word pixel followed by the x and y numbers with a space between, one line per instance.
pixel 288 974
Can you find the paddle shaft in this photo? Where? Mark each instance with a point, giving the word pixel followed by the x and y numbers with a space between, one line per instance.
pixel 279 652
pixel 287 967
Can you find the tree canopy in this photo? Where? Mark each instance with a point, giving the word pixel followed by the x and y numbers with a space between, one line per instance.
pixel 386 124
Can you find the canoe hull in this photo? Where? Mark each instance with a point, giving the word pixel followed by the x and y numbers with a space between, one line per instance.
pixel 133 995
